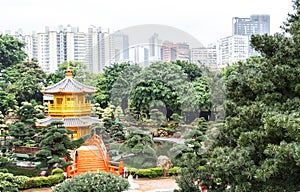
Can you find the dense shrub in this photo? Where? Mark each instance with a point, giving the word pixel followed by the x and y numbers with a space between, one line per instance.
pixel 93 182
pixel 4 161
pixel 11 183
pixel 152 172
pixel 3 170
pixel 174 171
pixel 38 182
pixel 57 171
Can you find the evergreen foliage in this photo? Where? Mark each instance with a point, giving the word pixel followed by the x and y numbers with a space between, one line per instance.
pixel 141 145
pixel 258 147
pixel 55 143
pixel 93 182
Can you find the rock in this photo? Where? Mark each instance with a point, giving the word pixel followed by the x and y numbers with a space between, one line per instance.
pixel 155 134
pixel 43 173
pixel 165 163
pixel 177 135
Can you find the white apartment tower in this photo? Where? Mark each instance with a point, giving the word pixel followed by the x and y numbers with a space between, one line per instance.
pixel 47 51
pixel 55 47
pixel 99 50
pixel 206 56
pixel 80 47
pixel 232 49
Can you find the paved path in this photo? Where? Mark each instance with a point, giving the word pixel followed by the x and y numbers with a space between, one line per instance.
pixel 155 185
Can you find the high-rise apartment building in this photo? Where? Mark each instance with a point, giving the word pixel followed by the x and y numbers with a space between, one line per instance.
pixel 175 51
pixel 183 52
pixel 57 46
pixel 232 48
pixel 100 49
pixel 206 56
pixel 47 51
pixel 140 55
pixel 256 24
pixel 93 55
pixel 80 47
pixel 120 46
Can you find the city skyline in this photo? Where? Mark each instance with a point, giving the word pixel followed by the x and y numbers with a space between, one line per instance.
pixel 99 48
pixel 202 19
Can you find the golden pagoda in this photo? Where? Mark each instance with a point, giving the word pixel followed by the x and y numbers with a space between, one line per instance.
pixel 70 105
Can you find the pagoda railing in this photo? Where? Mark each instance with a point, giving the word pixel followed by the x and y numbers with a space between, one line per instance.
pixel 69 109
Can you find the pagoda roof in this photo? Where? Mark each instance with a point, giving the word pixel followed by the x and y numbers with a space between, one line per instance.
pixel 68 85
pixel 69 121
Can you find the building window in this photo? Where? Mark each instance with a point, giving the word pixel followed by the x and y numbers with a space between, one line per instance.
pixel 59 101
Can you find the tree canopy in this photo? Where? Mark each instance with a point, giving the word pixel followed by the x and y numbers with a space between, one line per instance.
pixel 25 81
pixel 106 81
pixel 11 51
pixel 79 72
pixel 258 147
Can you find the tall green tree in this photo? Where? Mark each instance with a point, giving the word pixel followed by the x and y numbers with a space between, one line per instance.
pixel 171 84
pixel 25 81
pixel 11 51
pixel 191 69
pixel 258 148
pixel 106 82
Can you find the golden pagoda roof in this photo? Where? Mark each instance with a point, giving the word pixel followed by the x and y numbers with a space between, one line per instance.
pixel 68 85
pixel 69 121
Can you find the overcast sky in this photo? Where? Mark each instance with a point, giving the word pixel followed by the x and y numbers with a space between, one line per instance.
pixel 206 20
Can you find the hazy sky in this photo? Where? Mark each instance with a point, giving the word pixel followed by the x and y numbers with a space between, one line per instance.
pixel 206 20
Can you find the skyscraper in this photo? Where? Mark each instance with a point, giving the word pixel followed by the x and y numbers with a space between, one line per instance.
pixel 55 46
pixel 256 24
pixel 120 46
pixel 155 47
pixel 47 51
pixel 100 49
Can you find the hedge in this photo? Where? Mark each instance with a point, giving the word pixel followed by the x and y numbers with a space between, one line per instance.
pixel 11 183
pixel 152 172
pixel 38 182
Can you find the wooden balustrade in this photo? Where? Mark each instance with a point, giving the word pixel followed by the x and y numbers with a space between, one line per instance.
pixel 110 166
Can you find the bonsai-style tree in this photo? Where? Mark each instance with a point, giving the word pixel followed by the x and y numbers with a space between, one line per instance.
pixel 22 134
pixel 55 143
pixel 140 144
